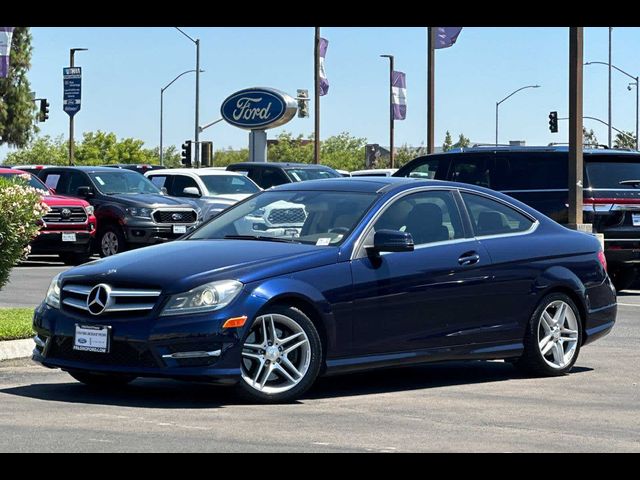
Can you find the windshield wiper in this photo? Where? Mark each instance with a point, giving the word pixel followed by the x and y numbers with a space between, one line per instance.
pixel 633 183
pixel 260 237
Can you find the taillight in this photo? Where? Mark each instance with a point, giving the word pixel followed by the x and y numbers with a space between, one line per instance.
pixel 602 259
pixel 611 201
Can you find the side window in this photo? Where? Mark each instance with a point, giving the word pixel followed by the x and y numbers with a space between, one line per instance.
pixel 159 180
pixel 428 216
pixel 471 169
pixel 530 171
pixel 180 182
pixel 52 180
pixel 430 168
pixel 76 180
pixel 272 177
pixel 494 218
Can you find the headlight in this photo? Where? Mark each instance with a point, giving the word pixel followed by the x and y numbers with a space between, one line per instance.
pixel 89 210
pixel 205 298
pixel 139 212
pixel 53 294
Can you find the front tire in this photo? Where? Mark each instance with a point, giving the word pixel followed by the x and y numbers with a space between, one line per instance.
pixel 553 338
pixel 100 380
pixel 111 241
pixel 281 356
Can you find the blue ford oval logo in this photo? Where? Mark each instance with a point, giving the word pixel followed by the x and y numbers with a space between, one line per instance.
pixel 82 340
pixel 258 108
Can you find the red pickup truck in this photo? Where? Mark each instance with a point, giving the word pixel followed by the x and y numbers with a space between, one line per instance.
pixel 69 227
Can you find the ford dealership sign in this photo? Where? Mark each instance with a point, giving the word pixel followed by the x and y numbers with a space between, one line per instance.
pixel 258 108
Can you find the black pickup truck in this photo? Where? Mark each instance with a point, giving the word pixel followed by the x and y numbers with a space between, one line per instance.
pixel 131 211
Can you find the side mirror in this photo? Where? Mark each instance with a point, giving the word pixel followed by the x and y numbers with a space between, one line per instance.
pixel 164 191
pixel 85 192
pixel 191 192
pixel 392 241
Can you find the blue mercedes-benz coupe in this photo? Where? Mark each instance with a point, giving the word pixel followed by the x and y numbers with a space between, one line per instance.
pixel 332 276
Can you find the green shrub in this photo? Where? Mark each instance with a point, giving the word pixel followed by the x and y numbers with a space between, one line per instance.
pixel 21 208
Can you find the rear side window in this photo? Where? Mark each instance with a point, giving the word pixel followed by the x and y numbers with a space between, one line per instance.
pixel 490 217
pixel 52 180
pixel 472 169
pixel 532 171
pixel 271 177
pixel 426 168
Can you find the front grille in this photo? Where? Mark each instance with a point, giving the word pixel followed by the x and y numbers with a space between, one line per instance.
pixel 175 216
pixel 110 300
pixel 121 354
pixel 66 215
pixel 286 216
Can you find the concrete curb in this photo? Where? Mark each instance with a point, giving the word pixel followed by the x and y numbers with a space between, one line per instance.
pixel 16 349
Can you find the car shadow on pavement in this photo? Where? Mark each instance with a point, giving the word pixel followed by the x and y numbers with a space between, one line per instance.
pixel 171 394
pixel 419 378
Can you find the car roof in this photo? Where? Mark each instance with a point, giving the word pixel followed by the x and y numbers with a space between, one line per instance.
pixel 365 184
pixel 280 165
pixel 200 172
pixel 11 170
pixel 374 171
pixel 87 169
pixel 536 149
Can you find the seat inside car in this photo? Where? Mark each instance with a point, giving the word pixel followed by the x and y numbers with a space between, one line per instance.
pixel 424 223
pixel 491 223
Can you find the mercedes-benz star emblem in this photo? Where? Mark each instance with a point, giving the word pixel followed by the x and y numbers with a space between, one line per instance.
pixel 99 299
pixel 66 213
pixel 176 216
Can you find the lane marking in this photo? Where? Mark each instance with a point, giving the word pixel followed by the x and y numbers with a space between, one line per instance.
pixel 629 304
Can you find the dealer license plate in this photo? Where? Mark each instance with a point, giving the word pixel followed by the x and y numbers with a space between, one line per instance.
pixel 68 237
pixel 179 229
pixel 92 338
pixel 635 217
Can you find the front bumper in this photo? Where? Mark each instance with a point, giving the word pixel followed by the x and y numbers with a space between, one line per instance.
pixel 139 345
pixel 150 233
pixel 51 242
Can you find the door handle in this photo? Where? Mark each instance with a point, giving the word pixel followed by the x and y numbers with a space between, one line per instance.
pixel 469 258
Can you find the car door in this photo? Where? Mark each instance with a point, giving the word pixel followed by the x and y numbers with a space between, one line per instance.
pixel 409 301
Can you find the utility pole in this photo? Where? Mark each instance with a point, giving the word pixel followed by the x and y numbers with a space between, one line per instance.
pixel 576 48
pixel 316 110
pixel 431 65
pixel 610 66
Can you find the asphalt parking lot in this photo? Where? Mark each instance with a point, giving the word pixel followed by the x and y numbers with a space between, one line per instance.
pixel 472 406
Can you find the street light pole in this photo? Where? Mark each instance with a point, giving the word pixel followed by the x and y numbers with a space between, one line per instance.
pixel 162 111
pixel 197 70
pixel 610 66
pixel 72 56
pixel 635 82
pixel 391 122
pixel 506 98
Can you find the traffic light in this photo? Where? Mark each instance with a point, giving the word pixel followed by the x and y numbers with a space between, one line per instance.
pixel 303 103
pixel 44 110
pixel 186 153
pixel 553 122
pixel 206 154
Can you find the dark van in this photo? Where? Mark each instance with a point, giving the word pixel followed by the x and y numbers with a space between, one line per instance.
pixel 538 176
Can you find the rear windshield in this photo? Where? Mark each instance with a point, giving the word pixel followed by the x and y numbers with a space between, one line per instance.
pixel 614 173
pixel 32 181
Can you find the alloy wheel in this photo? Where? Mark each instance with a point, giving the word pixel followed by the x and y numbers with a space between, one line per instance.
pixel 276 354
pixel 558 334
pixel 110 244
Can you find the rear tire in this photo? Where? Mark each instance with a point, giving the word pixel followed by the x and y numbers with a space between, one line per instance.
pixel 623 278
pixel 111 241
pixel 102 380
pixel 74 258
pixel 553 338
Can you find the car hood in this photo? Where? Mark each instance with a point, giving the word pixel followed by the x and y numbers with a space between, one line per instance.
pixel 150 200
pixel 59 200
pixel 182 265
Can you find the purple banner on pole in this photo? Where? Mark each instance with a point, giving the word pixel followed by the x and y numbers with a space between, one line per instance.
pixel 399 88
pixel 5 50
pixel 446 36
pixel 324 82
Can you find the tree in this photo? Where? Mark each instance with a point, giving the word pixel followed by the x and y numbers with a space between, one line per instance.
pixel 448 143
pixel 589 138
pixel 625 140
pixel 17 108
pixel 43 150
pixel 462 142
pixel 224 157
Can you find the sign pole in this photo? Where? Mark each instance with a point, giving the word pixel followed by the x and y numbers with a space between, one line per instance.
pixel 431 66
pixel 316 113
pixel 71 145
pixel 71 97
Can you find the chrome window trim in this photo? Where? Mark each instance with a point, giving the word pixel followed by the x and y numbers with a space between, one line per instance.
pixel 621 240
pixel 535 190
pixel 359 247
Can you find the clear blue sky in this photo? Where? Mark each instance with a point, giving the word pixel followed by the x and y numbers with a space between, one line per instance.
pixel 125 68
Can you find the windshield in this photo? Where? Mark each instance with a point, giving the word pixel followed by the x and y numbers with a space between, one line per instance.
pixel 33 181
pixel 302 174
pixel 122 181
pixel 228 184
pixel 608 174
pixel 311 217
